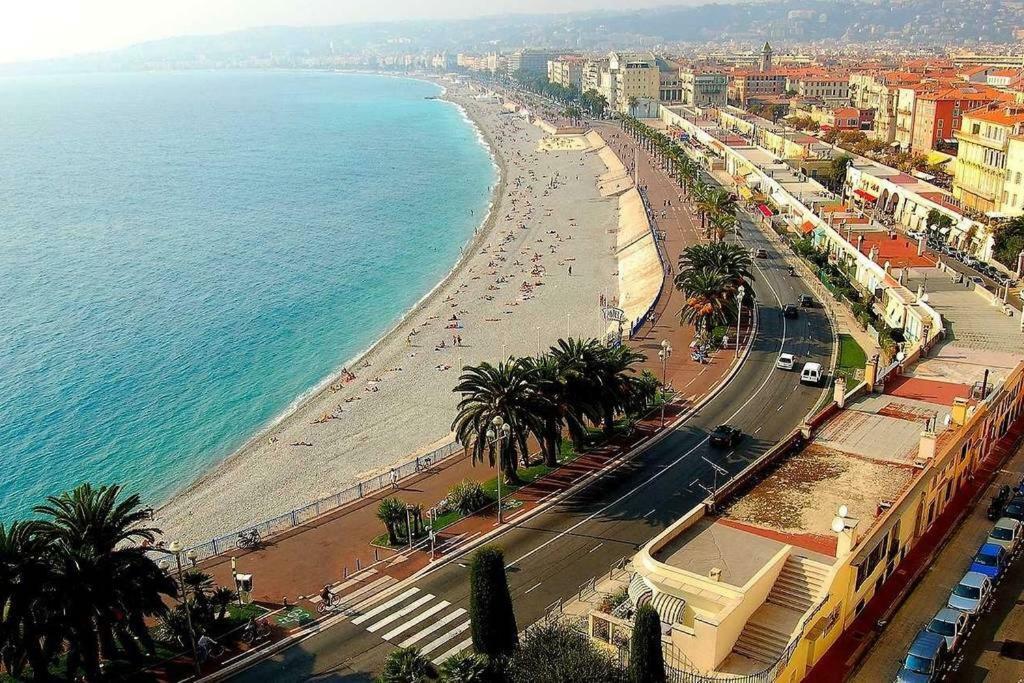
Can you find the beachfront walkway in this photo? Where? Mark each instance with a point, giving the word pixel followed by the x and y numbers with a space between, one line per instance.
pixel 336 546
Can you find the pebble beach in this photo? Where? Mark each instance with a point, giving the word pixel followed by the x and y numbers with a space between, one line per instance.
pixel 536 270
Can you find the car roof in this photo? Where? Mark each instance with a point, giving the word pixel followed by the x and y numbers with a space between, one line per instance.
pixel 812 366
pixel 948 614
pixel 926 644
pixel 974 579
pixel 1008 523
pixel 991 549
pixel 785 355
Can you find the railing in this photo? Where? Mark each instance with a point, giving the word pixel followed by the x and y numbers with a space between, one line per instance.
pixel 666 268
pixel 311 511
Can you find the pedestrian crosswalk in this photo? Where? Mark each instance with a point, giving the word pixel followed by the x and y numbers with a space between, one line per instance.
pixel 417 619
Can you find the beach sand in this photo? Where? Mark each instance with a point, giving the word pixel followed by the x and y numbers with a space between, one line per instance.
pixel 400 402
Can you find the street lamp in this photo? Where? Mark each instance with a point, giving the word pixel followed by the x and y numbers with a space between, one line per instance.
pixel 174 548
pixel 740 293
pixel 498 433
pixel 663 354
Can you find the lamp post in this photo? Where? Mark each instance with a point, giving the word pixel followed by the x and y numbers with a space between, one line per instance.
pixel 499 432
pixel 663 354
pixel 739 320
pixel 175 549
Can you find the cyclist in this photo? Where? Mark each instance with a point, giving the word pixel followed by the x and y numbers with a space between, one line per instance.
pixel 249 630
pixel 327 596
pixel 207 646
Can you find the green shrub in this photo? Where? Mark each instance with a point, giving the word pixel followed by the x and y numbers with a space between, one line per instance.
pixel 467 497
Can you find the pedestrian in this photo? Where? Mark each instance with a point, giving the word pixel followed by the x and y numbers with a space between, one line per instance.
pixel 570 271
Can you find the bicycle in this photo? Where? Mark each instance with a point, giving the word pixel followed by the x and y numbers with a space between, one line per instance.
pixel 210 651
pixel 324 606
pixel 249 539
pixel 259 631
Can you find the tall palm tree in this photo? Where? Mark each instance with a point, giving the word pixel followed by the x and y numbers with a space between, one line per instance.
pixel 721 225
pixel 708 298
pixel 107 584
pixel 578 361
pixel 566 410
pixel 715 202
pixel 29 607
pixel 616 377
pixel 505 391
pixel 732 260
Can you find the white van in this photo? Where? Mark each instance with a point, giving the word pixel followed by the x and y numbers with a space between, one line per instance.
pixel 811 374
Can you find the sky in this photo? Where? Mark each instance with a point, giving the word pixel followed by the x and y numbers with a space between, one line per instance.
pixel 39 29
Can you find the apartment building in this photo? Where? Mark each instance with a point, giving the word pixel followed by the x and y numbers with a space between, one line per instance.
pixel 745 84
pixel 531 61
pixel 591 74
pixel 828 87
pixel 670 87
pixel 567 72
pixel 938 114
pixel 703 88
pixel 631 77
pixel 879 91
pixel 981 166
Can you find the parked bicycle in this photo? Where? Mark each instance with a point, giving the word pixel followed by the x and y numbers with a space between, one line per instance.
pixel 255 631
pixel 249 539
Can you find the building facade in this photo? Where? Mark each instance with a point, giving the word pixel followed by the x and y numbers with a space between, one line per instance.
pixel 704 89
pixel 981 161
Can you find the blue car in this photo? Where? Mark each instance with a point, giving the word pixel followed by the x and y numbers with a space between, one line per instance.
pixel 990 560
pixel 926 660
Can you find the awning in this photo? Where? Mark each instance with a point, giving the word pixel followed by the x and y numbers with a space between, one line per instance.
pixel 669 607
pixel 944 231
pixel 745 193
pixel 807 228
pixel 639 590
pixel 866 196
pixel 765 211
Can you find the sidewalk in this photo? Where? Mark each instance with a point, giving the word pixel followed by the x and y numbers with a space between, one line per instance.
pixel 333 548
pixel 845 654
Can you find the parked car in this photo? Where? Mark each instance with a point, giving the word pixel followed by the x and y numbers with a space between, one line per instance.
pixel 1007 533
pixel 790 311
pixel 786 361
pixel 972 594
pixel 951 624
pixel 990 560
pixel 806 301
pixel 726 435
pixel 811 374
pixel 761 253
pixel 926 660
pixel 1014 509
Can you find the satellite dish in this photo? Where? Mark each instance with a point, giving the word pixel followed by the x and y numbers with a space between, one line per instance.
pixel 838 525
pixel 901 356
pixel 844 511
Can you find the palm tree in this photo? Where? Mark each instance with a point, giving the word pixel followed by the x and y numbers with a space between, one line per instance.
pixel 578 361
pixel 29 609
pixel 222 598
pixel 407 665
pixel 731 260
pixel 505 391
pixel 722 225
pixel 391 511
pixel 615 374
pixel 715 202
pixel 708 298
pixel 565 409
pixel 464 667
pixel 107 584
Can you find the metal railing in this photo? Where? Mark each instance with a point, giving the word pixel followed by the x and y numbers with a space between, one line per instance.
pixel 310 511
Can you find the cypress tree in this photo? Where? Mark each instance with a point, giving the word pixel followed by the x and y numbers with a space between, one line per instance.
pixel 646 663
pixel 492 622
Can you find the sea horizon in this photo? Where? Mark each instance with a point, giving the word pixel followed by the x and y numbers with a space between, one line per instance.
pixel 177 305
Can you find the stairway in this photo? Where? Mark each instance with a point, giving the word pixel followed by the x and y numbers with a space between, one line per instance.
pixel 800 584
pixel 769 630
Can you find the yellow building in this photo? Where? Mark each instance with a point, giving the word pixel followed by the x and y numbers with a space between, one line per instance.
pixel 981 160
pixel 763 577
pixel 634 77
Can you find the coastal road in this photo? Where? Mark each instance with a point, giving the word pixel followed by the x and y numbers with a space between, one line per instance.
pixel 580 537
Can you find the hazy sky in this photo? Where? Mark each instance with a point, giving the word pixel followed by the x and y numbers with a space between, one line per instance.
pixel 33 29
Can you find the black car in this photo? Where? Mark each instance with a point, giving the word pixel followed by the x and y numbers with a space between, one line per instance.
pixel 725 435
pixel 761 253
pixel 790 311
pixel 806 301
pixel 1014 509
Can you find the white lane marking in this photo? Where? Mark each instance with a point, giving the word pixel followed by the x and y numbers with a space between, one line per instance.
pixel 433 627
pixel 417 619
pixel 387 605
pixel 381 583
pixel 400 613
pixel 670 465
pixel 427 649
pixel 533 588
pixel 758 429
pixel 455 650
pixel 595 548
pixel 650 513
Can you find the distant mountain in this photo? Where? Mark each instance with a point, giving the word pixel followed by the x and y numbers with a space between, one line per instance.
pixel 906 22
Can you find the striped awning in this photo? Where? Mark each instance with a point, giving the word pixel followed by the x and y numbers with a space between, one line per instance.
pixel 669 607
pixel 639 591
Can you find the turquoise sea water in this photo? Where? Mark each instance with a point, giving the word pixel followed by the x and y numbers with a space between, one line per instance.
pixel 183 254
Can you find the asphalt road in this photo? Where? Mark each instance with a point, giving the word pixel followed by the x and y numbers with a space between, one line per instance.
pixel 552 554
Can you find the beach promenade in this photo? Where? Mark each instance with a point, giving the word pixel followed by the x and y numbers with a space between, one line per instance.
pixel 334 546
pixel 535 271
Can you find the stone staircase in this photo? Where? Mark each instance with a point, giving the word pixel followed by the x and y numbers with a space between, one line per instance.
pixel 769 630
pixel 800 584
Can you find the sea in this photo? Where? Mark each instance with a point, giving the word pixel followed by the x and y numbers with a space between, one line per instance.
pixel 184 255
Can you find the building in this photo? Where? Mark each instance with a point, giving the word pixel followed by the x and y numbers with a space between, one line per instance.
pixel 630 77
pixel 591 74
pixel 983 144
pixel 974 59
pixel 766 58
pixel 745 84
pixel 567 72
pixel 830 88
pixel 1002 78
pixel 669 87
pixel 704 88
pixel 937 115
pixel 531 61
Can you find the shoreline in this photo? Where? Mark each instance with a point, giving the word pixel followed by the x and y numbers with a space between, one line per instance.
pixel 267 476
pixel 336 375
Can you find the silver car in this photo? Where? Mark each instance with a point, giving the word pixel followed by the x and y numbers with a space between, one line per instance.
pixel 1008 533
pixel 951 624
pixel 971 595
